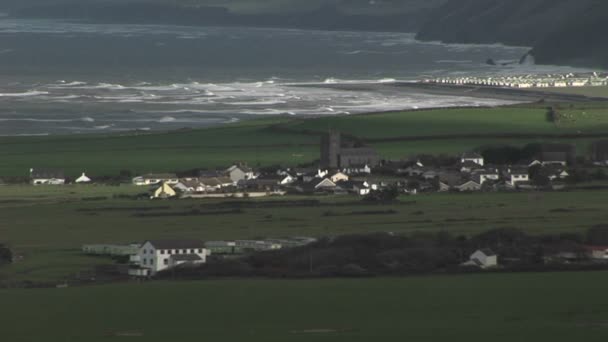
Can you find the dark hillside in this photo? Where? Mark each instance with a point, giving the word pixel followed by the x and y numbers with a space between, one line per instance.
pixel 561 31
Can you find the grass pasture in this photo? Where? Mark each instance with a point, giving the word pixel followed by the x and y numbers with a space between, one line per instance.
pixel 601 92
pixel 293 141
pixel 47 225
pixel 498 307
pixel 461 122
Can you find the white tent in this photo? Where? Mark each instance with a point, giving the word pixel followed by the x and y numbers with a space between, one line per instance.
pixel 83 179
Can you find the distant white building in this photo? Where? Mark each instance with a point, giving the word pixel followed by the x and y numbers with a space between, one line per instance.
pixel 153 179
pixel 83 179
pixel 47 177
pixel 482 258
pixel 516 175
pixel 158 255
pixel 472 157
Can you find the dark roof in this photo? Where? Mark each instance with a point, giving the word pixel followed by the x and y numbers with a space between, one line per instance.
pixel 47 173
pixel 190 183
pixel 471 155
pixel 518 170
pixel 241 167
pixel 186 257
pixel 350 184
pixel 209 173
pixel 215 181
pixel 259 182
pixel 470 164
pixel 160 176
pixel 176 244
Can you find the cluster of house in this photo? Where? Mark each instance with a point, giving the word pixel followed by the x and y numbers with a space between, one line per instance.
pixel 471 173
pixel 528 81
pixel 153 256
pixel 486 258
pixel 53 177
pixel 345 168
pixel 349 171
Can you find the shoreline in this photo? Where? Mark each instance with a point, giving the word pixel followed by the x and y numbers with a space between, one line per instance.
pixel 521 96
pixel 515 96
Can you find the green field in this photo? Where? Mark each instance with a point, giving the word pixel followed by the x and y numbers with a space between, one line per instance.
pixel 487 307
pixel 292 141
pixel 48 225
pixel 586 91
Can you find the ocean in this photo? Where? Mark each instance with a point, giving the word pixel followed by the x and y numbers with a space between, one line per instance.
pixel 59 77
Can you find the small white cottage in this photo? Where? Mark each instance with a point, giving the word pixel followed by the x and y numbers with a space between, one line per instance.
pixel 83 179
pixel 482 258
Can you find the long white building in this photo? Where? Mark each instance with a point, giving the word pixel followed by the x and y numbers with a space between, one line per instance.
pixel 158 255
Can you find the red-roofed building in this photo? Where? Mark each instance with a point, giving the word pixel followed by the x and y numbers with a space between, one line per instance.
pixel 597 252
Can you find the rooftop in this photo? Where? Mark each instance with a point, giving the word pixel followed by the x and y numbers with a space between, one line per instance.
pixel 46 173
pixel 185 257
pixel 176 244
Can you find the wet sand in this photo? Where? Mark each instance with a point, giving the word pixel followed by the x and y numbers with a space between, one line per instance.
pixel 508 94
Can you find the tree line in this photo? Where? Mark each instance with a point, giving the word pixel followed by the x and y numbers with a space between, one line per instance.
pixel 386 254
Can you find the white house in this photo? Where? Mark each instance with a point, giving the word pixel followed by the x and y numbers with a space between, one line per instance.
pixel 83 179
pixel 359 188
pixel 482 258
pixel 472 157
pixel 486 175
pixel 158 255
pixel 516 175
pixel 47 177
pixel 153 179
pixel 189 185
pixel 238 173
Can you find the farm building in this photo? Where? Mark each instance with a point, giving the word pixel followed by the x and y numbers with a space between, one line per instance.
pixel 83 179
pixel 47 177
pixel 482 258
pixel 111 250
pixel 158 255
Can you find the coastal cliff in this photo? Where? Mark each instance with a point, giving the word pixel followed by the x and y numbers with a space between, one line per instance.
pixel 560 31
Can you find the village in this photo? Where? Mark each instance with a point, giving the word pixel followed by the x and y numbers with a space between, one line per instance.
pixel 350 169
pixel 528 81
pixel 344 169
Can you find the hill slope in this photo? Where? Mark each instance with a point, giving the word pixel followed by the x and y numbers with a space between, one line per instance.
pixel 561 31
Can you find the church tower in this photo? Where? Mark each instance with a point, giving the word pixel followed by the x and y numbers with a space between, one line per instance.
pixel 330 150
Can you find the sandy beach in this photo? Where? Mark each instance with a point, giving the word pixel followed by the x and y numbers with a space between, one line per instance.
pixel 507 94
